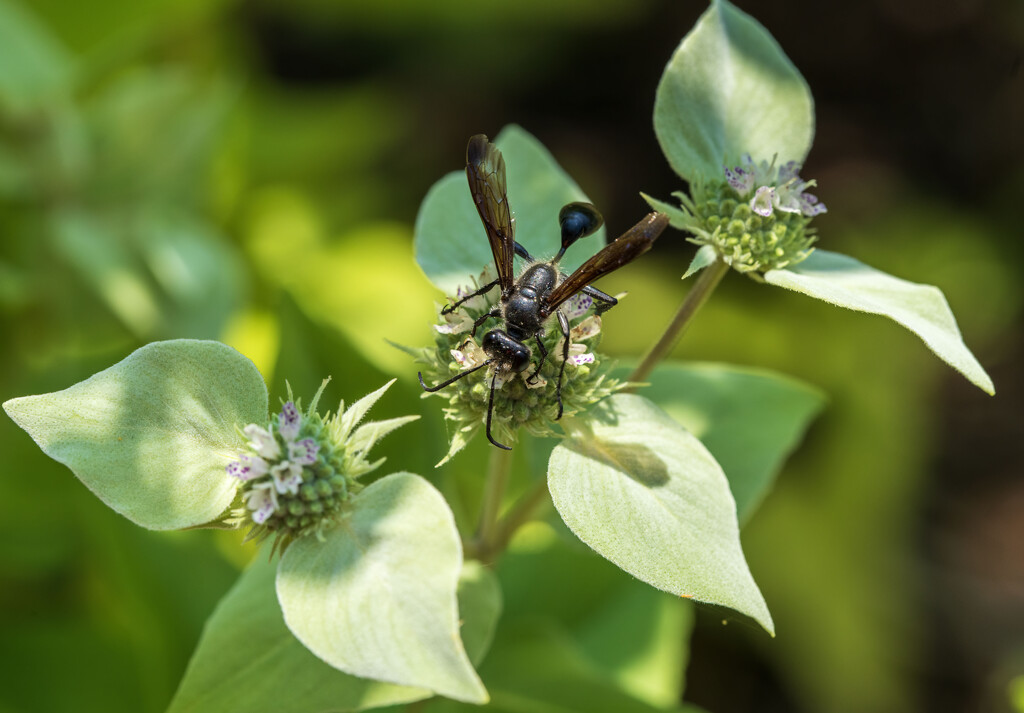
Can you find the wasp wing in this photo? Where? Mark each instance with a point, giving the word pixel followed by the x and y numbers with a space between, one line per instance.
pixel 626 248
pixel 485 169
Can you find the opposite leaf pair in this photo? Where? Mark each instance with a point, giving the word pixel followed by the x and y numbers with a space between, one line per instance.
pixel 371 589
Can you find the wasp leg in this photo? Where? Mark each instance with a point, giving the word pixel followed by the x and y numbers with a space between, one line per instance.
pixel 490 410
pixel 540 362
pixel 481 319
pixel 606 301
pixel 454 306
pixel 564 324
pixel 452 380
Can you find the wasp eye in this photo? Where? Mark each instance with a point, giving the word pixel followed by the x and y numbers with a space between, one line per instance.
pixel 578 220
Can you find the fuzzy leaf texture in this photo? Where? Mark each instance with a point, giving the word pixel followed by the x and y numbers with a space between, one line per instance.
pixel 249 662
pixel 846 282
pixel 377 599
pixel 647 495
pixel 151 435
pixel 729 89
pixel 450 242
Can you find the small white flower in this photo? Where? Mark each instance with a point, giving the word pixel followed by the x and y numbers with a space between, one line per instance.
pixel 588 328
pixel 577 359
pixel 471 355
pixel 262 501
pixel 247 467
pixel 262 441
pixel 289 422
pixel 287 477
pixel 455 322
pixel 578 305
pixel 303 452
pixel 762 201
pixel 780 189
pixel 740 179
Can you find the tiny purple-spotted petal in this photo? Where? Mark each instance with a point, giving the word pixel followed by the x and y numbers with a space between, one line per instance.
pixel 740 179
pixel 247 467
pixel 455 323
pixel 289 422
pixel 578 359
pixel 810 205
pixel 789 171
pixel 578 305
pixel 262 501
pixel 472 356
pixel 787 200
pixel 588 328
pixel 761 203
pixel 287 477
pixel 303 452
pixel 262 441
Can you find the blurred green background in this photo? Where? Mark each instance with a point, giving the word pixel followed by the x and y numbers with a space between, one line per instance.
pixel 250 171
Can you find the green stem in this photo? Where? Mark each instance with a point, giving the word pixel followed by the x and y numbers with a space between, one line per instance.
pixel 695 298
pixel 498 469
pixel 523 510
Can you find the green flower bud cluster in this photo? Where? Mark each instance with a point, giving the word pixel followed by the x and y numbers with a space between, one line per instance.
pixel 745 239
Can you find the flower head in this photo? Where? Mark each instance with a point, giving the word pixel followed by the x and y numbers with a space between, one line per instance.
pixel 756 215
pixel 524 399
pixel 298 472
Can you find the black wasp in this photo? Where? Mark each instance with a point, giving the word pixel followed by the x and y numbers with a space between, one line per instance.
pixel 527 302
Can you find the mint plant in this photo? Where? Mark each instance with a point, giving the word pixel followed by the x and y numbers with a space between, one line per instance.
pixel 170 439
pixel 368 594
pixel 735 119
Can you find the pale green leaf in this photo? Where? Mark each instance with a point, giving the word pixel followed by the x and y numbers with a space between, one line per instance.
pixel 646 494
pixel 750 419
pixel 729 89
pixel 377 599
pixel 704 257
pixel 152 434
pixel 846 282
pixel 450 243
pixel 249 662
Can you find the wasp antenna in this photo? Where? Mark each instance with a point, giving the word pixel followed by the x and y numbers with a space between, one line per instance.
pixel 490 410
pixel 450 381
